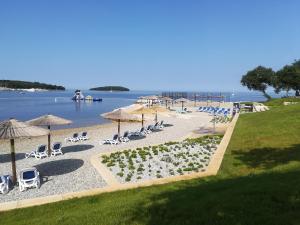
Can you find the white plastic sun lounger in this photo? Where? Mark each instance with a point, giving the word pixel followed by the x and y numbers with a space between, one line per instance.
pixel 56 149
pixel 74 138
pixel 140 133
pixel 29 178
pixel 149 129
pixel 40 153
pixel 113 141
pixel 84 136
pixel 125 137
pixel 158 126
pixel 4 184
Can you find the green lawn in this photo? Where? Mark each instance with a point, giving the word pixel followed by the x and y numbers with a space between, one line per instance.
pixel 259 183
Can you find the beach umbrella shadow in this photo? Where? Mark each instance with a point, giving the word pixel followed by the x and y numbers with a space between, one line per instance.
pixel 59 167
pixel 136 138
pixel 76 148
pixel 5 158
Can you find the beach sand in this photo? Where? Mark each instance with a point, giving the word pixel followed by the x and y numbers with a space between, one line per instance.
pixel 73 171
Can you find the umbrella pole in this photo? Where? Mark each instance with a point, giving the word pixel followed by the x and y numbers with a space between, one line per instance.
pixel 13 160
pixel 143 120
pixel 49 142
pixel 119 121
pixel 182 106
pixel 156 117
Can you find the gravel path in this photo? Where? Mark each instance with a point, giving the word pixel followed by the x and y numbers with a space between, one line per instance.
pixel 73 171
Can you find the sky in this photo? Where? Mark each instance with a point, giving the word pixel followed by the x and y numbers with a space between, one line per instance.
pixel 175 45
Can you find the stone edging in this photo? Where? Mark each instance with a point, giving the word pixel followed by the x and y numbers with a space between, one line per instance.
pixel 114 185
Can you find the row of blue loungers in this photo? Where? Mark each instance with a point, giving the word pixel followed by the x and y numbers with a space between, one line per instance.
pixel 216 110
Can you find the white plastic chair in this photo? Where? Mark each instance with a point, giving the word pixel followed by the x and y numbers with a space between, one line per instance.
pixel 40 153
pixel 125 137
pixel 56 149
pixel 29 178
pixel 140 133
pixel 113 141
pixel 84 136
pixel 74 138
pixel 4 184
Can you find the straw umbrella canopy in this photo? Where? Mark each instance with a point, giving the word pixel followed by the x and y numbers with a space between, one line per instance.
pixel 12 129
pixel 120 115
pixel 166 99
pixel 152 110
pixel 49 120
pixel 151 98
pixel 158 109
pixel 182 100
pixel 143 111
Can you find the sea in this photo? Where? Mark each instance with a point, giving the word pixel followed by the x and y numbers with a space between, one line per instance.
pixel 28 105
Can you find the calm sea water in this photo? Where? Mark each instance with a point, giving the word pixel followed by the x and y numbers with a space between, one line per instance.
pixel 31 105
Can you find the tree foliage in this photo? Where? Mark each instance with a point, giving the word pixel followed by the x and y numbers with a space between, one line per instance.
pixel 258 79
pixel 17 84
pixel 285 79
pixel 288 78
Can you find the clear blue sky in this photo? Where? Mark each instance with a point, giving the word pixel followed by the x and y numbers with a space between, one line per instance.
pixel 146 45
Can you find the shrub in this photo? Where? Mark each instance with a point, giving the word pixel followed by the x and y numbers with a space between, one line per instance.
pixel 110 164
pixel 120 174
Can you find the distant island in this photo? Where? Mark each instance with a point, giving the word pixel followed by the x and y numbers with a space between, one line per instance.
pixel 26 85
pixel 110 88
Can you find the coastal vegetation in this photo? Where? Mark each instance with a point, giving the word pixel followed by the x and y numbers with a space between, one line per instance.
pixel 165 160
pixel 110 88
pixel 285 79
pixel 18 84
pixel 258 183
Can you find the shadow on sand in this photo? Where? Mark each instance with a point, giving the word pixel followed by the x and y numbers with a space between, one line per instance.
pixel 136 138
pixel 168 125
pixel 59 167
pixel 5 158
pixel 76 148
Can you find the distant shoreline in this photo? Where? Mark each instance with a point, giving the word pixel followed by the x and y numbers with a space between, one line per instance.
pixel 23 89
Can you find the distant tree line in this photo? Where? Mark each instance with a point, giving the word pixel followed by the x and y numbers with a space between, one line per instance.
pixel 17 84
pixel 110 88
pixel 285 79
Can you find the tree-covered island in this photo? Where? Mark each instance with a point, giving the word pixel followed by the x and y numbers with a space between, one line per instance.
pixel 110 88
pixel 18 84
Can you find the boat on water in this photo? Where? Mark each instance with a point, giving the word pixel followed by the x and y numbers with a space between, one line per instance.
pixel 78 96
pixel 90 98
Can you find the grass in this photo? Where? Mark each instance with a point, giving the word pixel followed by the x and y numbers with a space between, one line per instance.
pixel 279 101
pixel 259 183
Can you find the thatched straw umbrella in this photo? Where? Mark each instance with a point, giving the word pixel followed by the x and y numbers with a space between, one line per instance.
pixel 152 110
pixel 157 110
pixel 151 98
pixel 182 100
pixel 166 100
pixel 12 129
pixel 120 115
pixel 143 111
pixel 49 120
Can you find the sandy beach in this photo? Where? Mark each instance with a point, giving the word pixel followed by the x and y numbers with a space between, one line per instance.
pixel 73 171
